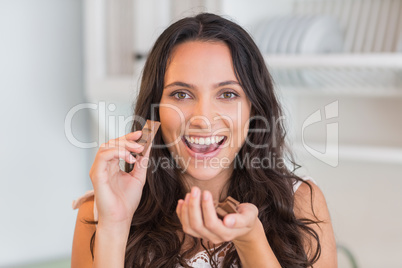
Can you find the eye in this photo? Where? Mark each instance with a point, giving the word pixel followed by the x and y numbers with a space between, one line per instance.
pixel 228 95
pixel 180 95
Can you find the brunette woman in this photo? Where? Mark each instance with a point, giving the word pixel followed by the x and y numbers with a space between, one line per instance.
pixel 221 134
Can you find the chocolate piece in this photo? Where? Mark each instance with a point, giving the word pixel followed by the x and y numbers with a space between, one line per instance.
pixel 148 133
pixel 228 206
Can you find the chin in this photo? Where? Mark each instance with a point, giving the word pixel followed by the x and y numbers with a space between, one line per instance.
pixel 202 173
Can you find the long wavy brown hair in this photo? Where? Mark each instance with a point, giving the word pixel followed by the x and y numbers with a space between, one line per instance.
pixel 154 239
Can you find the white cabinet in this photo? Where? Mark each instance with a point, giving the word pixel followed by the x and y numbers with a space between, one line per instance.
pixel 119 34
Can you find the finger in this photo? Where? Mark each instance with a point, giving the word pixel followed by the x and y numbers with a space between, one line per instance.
pixel 108 157
pixel 185 217
pixel 123 142
pixel 179 207
pixel 195 216
pixel 133 136
pixel 184 210
pixel 131 143
pixel 211 220
pixel 133 146
pixel 140 168
pixel 222 230
pixel 247 214
pixel 114 154
pixel 105 153
pixel 130 137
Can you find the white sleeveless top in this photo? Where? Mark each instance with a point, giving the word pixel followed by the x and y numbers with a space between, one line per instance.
pixel 201 259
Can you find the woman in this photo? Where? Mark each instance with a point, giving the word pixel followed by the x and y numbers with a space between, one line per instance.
pixel 221 135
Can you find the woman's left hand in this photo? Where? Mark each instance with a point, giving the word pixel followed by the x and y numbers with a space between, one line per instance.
pixel 198 217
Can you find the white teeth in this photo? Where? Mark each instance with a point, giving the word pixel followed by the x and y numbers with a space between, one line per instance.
pixel 206 141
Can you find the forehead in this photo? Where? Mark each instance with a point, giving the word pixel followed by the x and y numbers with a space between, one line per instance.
pixel 200 60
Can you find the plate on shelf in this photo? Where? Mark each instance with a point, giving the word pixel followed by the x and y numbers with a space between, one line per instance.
pixel 288 29
pixel 292 46
pixel 276 35
pixel 323 35
pixel 258 32
pixel 274 46
pixel 268 31
pixel 280 33
pixel 294 41
pixel 291 28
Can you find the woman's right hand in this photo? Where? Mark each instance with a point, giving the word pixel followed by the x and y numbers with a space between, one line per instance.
pixel 118 193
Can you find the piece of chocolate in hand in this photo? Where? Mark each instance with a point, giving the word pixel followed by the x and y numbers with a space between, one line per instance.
pixel 229 205
pixel 148 133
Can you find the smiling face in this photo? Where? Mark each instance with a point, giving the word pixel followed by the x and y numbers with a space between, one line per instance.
pixel 204 111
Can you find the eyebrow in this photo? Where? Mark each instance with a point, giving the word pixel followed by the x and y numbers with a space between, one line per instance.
pixel 221 84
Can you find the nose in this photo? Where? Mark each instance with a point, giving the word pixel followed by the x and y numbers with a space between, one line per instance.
pixel 202 115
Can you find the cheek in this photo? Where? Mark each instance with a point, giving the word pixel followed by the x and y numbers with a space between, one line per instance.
pixel 241 119
pixel 242 124
pixel 245 124
pixel 171 122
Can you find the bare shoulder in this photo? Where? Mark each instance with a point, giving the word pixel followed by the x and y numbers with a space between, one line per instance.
pixel 86 210
pixel 310 203
pixel 81 254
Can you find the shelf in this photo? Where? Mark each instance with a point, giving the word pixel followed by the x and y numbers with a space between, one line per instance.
pixel 375 75
pixel 391 61
pixel 123 87
pixel 369 154
pixel 336 91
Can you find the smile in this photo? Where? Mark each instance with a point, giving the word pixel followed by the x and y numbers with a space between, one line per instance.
pixel 204 145
pixel 204 140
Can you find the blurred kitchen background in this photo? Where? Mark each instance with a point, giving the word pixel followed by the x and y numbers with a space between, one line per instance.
pixel 69 76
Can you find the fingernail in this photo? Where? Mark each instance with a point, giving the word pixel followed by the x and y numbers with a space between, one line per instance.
pixel 195 192
pixel 230 222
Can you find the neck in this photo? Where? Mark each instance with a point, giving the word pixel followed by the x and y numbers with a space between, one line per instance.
pixel 218 186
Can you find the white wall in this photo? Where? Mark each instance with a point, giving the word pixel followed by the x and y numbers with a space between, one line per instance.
pixel 41 172
pixel 363 195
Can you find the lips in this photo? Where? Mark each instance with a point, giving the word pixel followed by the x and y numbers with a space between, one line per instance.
pixel 203 148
